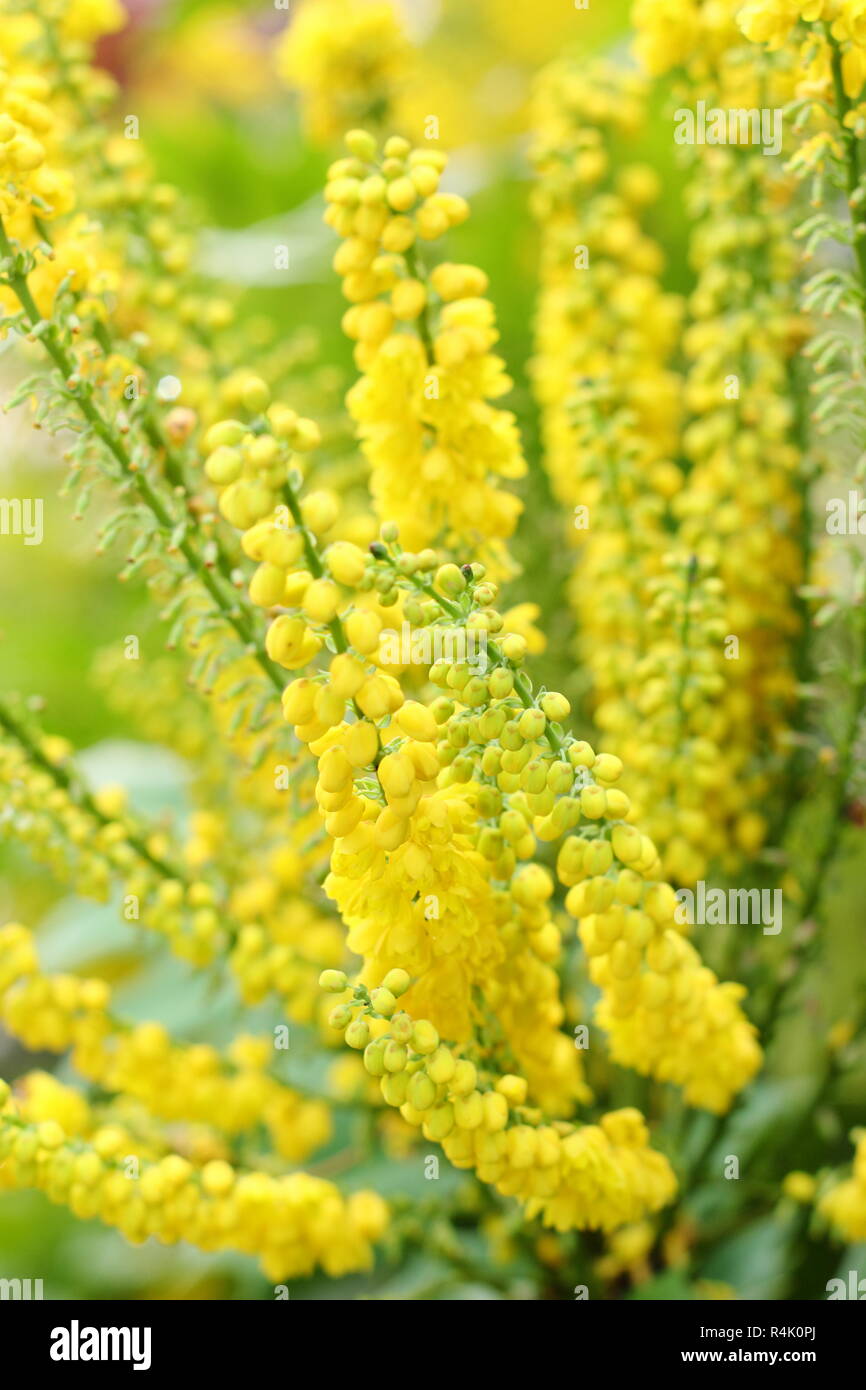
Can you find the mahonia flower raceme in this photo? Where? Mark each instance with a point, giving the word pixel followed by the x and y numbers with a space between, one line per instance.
pixel 596 1176
pixel 458 945
pixel 291 1223
pixel 629 495
pixel 277 940
pixel 739 439
pixel 671 726
pixel 392 828
pixel 607 446
pixel 89 840
pixel 192 1083
pixel 436 446
pixel 604 335
pixel 347 59
pixel 37 183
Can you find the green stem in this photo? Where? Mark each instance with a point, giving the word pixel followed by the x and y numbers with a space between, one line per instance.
pixel 416 270
pixel 80 394
pixel 78 794
pixel 853 171
pixel 521 683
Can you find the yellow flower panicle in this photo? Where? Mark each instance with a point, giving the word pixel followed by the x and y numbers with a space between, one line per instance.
pixel 276 940
pixel 739 438
pixel 602 312
pixel 677 728
pixel 400 841
pixel 410 874
pixel 611 407
pixel 347 59
pixel 666 1014
pixel 292 1223
pixel 190 1083
pixel 605 333
pixel 92 842
pixel 568 1176
pixel 38 186
pixel 437 448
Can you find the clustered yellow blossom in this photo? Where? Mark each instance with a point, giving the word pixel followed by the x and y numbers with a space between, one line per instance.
pixel 291 1223
pixel 426 826
pixel 276 939
pixel 597 1176
pixel 739 439
pixel 605 333
pixel 424 795
pixel 844 1206
pixel 396 834
pixel 348 60
pixel 92 842
pixel 636 476
pixel 673 727
pixel 192 1083
pixel 814 29
pixel 38 187
pixel 437 448
pixel 666 1013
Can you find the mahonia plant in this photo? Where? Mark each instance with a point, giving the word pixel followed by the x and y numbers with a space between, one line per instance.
pixel 446 876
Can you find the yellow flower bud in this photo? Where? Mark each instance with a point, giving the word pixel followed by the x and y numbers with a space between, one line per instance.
pixel 362 630
pixel 512 1088
pixel 321 600
pixel 408 299
pixel 464 1079
pixel 425 1039
pixel 217 1178
pixel 402 194
pixel 346 563
pixel 416 721
pixel 320 510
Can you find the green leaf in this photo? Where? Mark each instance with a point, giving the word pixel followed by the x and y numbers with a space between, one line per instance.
pixel 756 1262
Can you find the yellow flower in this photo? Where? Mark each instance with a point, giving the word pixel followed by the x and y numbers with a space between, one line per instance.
pixel 346 58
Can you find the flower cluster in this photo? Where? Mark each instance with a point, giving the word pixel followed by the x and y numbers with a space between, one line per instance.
pixel 193 1083
pixel 51 1140
pixel 347 60
pixel 437 448
pixel 844 1205
pixel 645 477
pixel 605 336
pixel 597 1176
pixel 470 862
pixel 89 840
